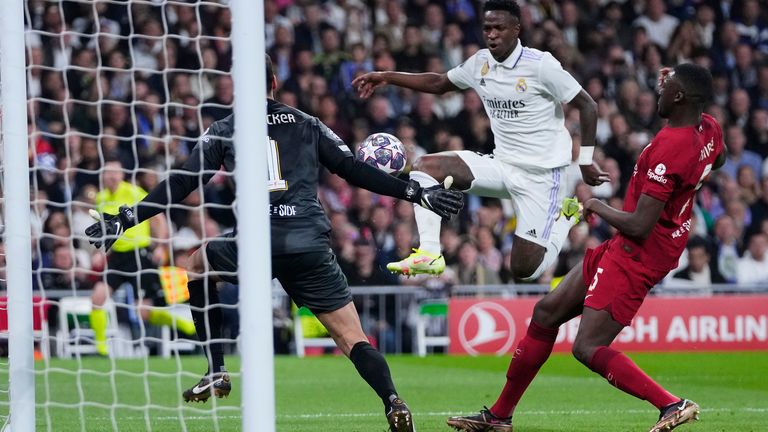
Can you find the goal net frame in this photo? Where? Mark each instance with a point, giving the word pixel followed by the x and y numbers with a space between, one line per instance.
pixel 255 303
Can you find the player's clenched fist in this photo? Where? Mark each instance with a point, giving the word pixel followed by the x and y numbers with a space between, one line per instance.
pixel 593 175
pixel 109 228
pixel 368 83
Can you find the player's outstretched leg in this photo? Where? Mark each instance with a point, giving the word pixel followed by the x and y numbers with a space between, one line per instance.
pixel 344 327
pixel 596 331
pixel 532 351
pixel 216 381
pixel 202 294
pixel 672 416
pixel 427 258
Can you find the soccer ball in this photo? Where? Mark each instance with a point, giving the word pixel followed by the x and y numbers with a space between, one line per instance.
pixel 382 151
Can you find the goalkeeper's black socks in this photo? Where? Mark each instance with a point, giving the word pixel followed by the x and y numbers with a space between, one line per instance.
pixel 197 298
pixel 370 364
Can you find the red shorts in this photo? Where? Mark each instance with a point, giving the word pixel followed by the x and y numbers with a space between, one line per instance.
pixel 617 281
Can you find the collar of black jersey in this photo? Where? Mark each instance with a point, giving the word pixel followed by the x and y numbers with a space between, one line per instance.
pixel 511 61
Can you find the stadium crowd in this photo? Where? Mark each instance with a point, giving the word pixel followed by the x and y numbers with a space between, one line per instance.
pixel 142 82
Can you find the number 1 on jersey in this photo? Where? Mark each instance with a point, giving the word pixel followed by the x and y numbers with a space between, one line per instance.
pixel 276 182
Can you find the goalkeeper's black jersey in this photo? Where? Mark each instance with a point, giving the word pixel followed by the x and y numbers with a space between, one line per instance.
pixel 296 146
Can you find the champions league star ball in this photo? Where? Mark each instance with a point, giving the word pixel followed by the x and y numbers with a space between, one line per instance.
pixel 382 151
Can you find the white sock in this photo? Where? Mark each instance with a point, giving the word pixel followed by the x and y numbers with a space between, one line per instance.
pixel 427 222
pixel 559 233
pixel 560 230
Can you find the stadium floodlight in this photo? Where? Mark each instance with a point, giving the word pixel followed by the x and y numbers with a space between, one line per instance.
pixel 16 207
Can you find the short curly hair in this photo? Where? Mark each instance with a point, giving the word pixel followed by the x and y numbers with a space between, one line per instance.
pixel 510 6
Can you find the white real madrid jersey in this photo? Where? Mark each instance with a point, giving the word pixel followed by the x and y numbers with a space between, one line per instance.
pixel 522 97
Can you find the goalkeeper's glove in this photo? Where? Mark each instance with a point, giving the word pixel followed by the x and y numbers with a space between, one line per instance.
pixel 438 198
pixel 109 228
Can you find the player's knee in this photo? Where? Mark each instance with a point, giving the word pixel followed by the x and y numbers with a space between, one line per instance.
pixel 431 165
pixel 543 314
pixel 582 351
pixel 99 294
pixel 526 271
pixel 534 275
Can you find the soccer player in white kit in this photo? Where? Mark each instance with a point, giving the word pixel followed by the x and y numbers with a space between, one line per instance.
pixel 523 90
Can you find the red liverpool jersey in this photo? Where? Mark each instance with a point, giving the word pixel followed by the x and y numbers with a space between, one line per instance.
pixel 671 168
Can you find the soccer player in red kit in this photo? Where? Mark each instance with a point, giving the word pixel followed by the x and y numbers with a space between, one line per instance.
pixel 608 289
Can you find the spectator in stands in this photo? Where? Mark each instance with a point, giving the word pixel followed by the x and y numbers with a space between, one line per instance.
pixel 129 256
pixel 724 49
pixel 748 185
pixel 617 60
pixel 699 271
pixel 659 25
pixel 753 266
pixel 751 27
pixel 760 92
pixel 63 273
pixel 704 24
pixel 220 105
pixel 487 253
pixel 738 107
pixel 470 271
pixel 726 247
pixel 757 134
pixel 364 270
pixel 738 156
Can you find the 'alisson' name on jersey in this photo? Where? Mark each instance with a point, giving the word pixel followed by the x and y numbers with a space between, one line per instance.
pixel 503 108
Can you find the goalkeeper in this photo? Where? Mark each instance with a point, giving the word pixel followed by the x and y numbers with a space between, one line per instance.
pixel 302 259
pixel 131 261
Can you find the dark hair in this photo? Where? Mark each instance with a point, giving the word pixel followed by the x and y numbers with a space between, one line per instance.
pixel 696 81
pixel 270 71
pixel 112 157
pixel 697 242
pixel 510 6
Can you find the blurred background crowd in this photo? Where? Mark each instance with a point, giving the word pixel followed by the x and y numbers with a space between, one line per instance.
pixel 140 82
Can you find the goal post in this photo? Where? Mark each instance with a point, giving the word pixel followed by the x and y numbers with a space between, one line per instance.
pixel 254 260
pixel 111 66
pixel 17 235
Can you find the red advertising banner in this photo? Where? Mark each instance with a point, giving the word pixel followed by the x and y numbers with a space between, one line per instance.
pixel 720 323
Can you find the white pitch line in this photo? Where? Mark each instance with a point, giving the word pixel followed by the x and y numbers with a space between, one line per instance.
pixel 435 414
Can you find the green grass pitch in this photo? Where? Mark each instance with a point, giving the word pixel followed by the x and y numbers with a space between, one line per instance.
pixel 326 394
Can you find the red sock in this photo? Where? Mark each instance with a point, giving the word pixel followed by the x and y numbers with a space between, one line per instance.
pixel 625 375
pixel 532 351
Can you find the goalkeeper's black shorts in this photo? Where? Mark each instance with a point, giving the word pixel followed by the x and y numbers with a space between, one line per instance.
pixel 311 279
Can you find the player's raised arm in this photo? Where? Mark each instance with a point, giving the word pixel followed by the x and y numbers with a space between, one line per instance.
pixel 590 171
pixel 336 156
pixel 206 158
pixel 427 82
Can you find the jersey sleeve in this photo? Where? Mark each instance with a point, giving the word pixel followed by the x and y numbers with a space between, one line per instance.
pixel 207 156
pixel 462 75
pixel 330 148
pixel 663 174
pixel 204 160
pixel 556 80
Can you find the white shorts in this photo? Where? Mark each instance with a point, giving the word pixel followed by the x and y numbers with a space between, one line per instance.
pixel 537 193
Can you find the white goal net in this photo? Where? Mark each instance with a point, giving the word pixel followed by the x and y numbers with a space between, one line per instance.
pixel 118 93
